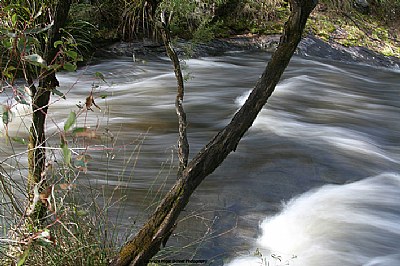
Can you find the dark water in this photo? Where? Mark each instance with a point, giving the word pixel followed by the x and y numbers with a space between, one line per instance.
pixel 326 124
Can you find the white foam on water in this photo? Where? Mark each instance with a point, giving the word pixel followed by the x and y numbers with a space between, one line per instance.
pixel 353 224
pixel 338 126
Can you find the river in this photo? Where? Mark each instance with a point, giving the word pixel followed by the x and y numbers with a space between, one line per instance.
pixel 315 181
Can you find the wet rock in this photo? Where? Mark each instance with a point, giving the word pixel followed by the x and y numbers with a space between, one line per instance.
pixel 310 46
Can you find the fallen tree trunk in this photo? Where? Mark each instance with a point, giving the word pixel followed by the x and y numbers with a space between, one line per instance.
pixel 148 241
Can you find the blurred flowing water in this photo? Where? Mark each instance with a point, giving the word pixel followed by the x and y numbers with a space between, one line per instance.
pixel 327 124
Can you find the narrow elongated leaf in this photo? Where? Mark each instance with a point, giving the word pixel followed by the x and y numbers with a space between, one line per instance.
pixel 39 30
pixel 24 256
pixel 21 99
pixel 70 121
pixel 19 140
pixel 6 115
pixel 38 14
pixel 58 93
pixel 57 43
pixel 66 153
pixel 14 19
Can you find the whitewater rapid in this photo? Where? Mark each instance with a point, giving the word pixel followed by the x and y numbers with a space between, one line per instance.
pixel 351 224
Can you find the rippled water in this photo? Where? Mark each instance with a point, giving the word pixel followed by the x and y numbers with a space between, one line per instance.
pixel 325 124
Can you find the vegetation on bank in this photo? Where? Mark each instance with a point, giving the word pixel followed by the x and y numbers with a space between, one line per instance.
pixel 374 24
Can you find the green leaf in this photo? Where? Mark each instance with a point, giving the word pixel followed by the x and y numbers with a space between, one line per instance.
pixel 24 256
pixel 72 54
pixel 19 140
pixel 66 153
pixel 6 115
pixel 70 121
pixel 21 99
pixel 57 43
pixel 36 60
pixel 100 76
pixel 79 130
pixel 14 18
pixel 58 93
pixel 69 67
pixel 82 213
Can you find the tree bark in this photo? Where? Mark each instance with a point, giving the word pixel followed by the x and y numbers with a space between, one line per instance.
pixel 183 144
pixel 141 248
pixel 40 102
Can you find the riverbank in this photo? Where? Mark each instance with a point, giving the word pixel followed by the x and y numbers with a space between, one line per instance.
pixel 310 46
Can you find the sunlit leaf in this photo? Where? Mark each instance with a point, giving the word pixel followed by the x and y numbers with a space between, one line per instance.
pixel 36 60
pixel 70 121
pixel 69 67
pixel 58 93
pixel 57 43
pixel 14 18
pixel 19 140
pixel 38 14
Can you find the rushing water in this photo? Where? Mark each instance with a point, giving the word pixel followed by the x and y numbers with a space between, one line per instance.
pixel 330 125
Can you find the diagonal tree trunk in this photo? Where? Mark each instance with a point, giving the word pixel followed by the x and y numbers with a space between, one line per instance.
pixel 40 101
pixel 141 248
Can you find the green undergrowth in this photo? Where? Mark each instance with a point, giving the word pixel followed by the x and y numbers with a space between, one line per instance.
pixel 356 29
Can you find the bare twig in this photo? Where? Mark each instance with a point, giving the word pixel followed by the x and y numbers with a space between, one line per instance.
pixel 183 144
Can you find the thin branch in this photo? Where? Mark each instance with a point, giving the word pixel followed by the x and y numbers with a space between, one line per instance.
pixel 183 144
